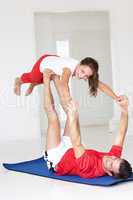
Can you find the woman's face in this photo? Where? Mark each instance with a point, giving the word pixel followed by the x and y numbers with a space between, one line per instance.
pixel 83 72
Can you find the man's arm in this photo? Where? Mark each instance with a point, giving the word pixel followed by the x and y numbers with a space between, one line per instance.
pixel 74 129
pixel 123 123
pixel 107 90
pixel 62 87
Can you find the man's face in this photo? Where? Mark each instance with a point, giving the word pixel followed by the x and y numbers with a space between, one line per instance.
pixel 111 164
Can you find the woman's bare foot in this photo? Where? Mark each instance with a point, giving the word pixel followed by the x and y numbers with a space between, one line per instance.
pixel 30 89
pixel 17 86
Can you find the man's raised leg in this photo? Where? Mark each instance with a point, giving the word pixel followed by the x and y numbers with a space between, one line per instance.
pixel 53 138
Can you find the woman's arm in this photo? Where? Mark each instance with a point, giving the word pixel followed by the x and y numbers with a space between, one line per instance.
pixel 107 90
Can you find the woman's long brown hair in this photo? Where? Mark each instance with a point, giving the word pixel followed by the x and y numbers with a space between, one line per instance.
pixel 93 80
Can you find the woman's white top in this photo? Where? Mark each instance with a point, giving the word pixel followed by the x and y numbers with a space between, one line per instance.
pixel 57 64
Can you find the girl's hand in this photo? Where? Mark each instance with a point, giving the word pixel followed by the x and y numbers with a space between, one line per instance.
pixel 120 98
pixel 48 74
pixel 124 104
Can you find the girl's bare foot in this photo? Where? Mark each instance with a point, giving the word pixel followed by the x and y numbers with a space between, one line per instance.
pixel 17 86
pixel 30 89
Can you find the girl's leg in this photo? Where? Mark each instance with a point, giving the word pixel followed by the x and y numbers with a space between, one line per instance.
pixel 34 77
pixel 30 88
pixel 17 86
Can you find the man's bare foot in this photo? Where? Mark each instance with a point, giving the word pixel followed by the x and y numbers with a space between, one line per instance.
pixel 17 86
pixel 30 89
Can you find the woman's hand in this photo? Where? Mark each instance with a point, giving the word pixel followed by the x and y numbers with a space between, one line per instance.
pixel 48 75
pixel 120 98
pixel 124 102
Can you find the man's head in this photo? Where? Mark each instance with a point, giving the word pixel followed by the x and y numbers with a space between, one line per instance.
pixel 117 167
pixel 88 70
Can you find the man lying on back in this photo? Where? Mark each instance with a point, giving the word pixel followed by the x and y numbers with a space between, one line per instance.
pixel 68 156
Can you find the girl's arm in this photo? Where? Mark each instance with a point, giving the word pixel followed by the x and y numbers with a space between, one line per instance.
pixel 107 90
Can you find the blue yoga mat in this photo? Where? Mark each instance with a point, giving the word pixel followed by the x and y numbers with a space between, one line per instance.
pixel 39 167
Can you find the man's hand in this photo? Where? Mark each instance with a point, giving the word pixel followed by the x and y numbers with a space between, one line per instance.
pixel 48 74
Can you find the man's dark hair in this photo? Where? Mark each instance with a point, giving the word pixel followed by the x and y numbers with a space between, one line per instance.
pixel 125 170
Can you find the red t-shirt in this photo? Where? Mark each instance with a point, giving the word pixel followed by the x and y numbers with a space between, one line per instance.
pixel 89 165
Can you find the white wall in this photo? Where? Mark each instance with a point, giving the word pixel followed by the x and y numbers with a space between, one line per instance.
pixel 17 52
pixel 19 116
pixel 122 48
pixel 121 27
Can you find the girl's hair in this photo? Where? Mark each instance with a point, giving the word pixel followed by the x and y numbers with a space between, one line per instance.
pixel 93 80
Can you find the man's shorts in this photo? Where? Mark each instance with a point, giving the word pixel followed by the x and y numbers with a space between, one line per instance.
pixel 53 156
